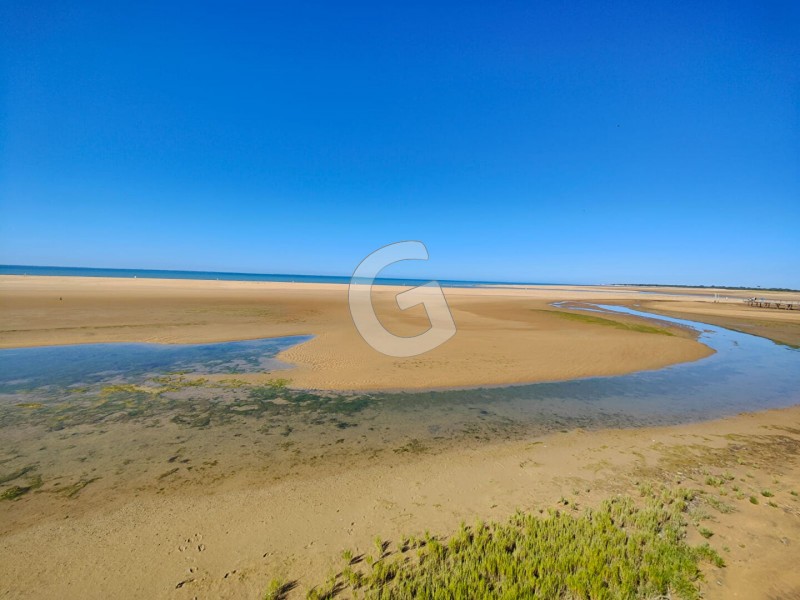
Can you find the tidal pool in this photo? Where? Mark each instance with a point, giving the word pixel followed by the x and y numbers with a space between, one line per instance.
pixel 745 373
pixel 142 416
pixel 24 369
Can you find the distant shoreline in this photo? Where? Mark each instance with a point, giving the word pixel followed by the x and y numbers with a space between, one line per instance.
pixel 704 287
pixel 54 271
pixel 48 271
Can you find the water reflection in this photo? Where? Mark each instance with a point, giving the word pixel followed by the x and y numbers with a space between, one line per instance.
pixel 745 373
pixel 64 366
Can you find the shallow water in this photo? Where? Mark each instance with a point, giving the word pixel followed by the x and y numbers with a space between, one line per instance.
pixel 745 373
pixel 63 366
pixel 143 416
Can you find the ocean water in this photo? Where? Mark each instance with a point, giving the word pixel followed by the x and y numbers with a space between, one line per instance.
pixel 224 276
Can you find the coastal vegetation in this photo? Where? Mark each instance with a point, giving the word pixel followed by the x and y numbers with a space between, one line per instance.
pixel 624 325
pixel 708 287
pixel 623 549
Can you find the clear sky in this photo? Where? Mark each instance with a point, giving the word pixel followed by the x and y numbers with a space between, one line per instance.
pixel 537 141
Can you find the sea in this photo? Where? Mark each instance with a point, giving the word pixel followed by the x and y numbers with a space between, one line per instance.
pixel 227 276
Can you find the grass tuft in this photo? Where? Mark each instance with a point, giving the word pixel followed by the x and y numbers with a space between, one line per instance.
pixel 619 550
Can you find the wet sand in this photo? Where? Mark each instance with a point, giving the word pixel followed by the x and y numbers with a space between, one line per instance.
pixel 150 527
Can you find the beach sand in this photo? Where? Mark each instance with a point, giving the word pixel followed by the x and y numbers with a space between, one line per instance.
pixel 227 536
pixel 504 335
pixel 156 510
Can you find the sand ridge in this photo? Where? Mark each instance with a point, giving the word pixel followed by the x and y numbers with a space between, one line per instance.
pixel 504 335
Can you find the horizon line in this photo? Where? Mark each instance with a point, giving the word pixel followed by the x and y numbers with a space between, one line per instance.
pixel 392 279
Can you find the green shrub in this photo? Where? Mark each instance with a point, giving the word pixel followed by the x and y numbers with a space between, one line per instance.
pixel 620 550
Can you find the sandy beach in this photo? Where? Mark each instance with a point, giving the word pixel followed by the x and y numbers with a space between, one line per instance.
pixel 217 511
pixel 227 370
pixel 504 335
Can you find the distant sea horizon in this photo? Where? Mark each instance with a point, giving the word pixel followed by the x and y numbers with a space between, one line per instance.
pixel 231 276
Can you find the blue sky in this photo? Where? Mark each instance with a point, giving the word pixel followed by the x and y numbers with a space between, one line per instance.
pixel 551 141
